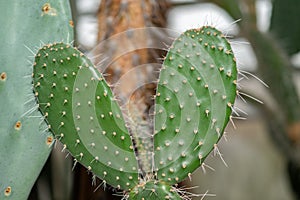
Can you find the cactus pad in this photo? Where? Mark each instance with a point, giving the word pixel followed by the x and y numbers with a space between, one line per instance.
pixel 83 115
pixel 153 190
pixel 196 91
pixel 25 142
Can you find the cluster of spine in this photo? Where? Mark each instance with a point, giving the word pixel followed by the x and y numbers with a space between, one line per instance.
pixel 194 99
pixel 153 189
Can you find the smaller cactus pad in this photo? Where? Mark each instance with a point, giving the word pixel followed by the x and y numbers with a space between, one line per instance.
pixel 195 95
pixel 83 114
pixel 152 190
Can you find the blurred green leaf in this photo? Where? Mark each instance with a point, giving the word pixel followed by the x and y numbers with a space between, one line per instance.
pixel 285 24
pixel 230 6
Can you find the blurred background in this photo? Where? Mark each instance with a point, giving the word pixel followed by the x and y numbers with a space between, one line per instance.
pixel 262 152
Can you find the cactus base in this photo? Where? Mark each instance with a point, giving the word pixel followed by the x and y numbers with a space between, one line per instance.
pixel 153 189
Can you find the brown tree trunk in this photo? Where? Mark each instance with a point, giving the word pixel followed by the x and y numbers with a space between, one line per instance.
pixel 120 19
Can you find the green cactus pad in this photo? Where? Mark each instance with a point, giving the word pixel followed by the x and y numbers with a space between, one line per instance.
pixel 194 99
pixel 152 190
pixel 25 143
pixel 83 114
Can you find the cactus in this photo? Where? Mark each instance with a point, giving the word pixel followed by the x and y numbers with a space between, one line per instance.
pixel 83 114
pixel 194 99
pixel 25 144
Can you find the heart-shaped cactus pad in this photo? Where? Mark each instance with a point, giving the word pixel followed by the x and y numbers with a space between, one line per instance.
pixel 194 99
pixel 83 114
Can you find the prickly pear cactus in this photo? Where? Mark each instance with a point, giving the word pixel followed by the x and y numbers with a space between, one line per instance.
pixel 196 91
pixel 194 99
pixel 25 142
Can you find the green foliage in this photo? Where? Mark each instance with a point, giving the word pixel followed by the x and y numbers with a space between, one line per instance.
pixel 25 144
pixel 285 24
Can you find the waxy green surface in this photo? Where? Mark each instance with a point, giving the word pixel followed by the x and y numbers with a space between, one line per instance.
pixel 83 114
pixel 25 142
pixel 195 95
